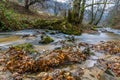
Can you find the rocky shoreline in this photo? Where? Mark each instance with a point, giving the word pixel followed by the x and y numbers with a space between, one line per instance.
pixel 68 63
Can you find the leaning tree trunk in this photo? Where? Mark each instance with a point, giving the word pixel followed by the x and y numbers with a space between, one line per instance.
pixel 82 11
pixel 101 13
pixel 92 12
pixel 94 18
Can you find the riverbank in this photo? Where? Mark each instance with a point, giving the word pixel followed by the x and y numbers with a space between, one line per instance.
pixel 70 63
pixel 14 17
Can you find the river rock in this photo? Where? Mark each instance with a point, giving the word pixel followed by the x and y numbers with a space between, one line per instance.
pixel 70 38
pixel 45 39
pixel 24 36
pixel 57 48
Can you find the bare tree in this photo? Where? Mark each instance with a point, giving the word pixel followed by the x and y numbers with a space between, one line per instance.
pixel 92 12
pixel 101 13
pixel 113 17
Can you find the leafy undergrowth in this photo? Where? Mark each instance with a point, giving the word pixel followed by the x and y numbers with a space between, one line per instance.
pixel 16 17
pixel 10 20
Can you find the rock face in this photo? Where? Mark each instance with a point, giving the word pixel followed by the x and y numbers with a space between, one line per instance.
pixel 49 6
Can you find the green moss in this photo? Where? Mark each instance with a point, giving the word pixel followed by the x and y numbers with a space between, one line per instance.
pixel 47 24
pixel 27 47
pixel 47 40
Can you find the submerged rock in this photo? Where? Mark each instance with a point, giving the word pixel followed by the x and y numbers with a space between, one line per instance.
pixel 70 38
pixel 87 51
pixel 58 48
pixel 24 36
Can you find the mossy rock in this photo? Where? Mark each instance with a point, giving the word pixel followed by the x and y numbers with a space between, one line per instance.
pixel 71 29
pixel 46 40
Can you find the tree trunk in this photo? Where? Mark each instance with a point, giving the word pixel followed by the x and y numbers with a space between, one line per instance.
pixel 69 17
pixel 27 4
pixel 82 11
pixel 76 11
pixel 92 12
pixel 96 13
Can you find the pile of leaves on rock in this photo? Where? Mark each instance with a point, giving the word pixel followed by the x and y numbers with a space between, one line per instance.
pixel 111 47
pixel 111 67
pixel 59 74
pixel 18 60
pixel 115 67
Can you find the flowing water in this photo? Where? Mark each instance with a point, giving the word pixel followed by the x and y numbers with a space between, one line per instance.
pixel 8 39
pixel 13 38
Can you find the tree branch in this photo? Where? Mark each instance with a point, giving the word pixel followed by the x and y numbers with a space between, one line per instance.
pixel 97 4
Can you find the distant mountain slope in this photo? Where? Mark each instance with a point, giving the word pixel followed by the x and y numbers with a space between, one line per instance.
pixel 49 6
